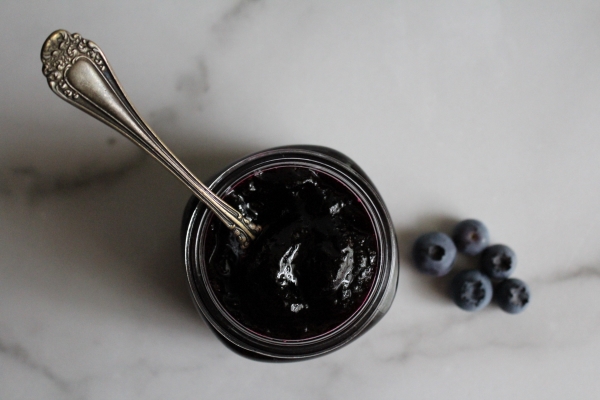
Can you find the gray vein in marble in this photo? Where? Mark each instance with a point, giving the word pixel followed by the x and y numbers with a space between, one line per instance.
pixel 408 354
pixel 155 371
pixel 22 356
pixel 19 354
pixel 414 335
pixel 576 274
pixel 417 335
pixel 29 181
pixel 192 87
pixel 242 10
pixel 195 83
pixel 140 368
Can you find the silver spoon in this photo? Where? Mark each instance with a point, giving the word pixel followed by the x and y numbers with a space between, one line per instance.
pixel 78 72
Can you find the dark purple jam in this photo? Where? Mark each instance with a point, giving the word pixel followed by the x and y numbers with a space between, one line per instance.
pixel 311 267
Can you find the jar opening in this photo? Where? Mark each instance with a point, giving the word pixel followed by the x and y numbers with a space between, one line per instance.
pixel 329 189
pixel 309 271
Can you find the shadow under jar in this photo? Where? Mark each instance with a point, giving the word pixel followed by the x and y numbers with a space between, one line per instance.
pixel 323 270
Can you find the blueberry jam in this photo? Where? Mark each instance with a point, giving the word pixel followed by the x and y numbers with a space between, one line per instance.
pixel 312 266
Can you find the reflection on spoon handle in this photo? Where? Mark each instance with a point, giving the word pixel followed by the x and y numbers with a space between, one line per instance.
pixel 78 72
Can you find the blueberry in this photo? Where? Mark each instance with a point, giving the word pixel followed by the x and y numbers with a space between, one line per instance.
pixel 471 290
pixel 498 261
pixel 434 253
pixel 513 295
pixel 471 237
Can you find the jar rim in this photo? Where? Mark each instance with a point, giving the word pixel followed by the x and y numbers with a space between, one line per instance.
pixel 234 331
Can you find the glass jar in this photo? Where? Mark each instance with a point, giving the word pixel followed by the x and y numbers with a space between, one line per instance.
pixel 257 343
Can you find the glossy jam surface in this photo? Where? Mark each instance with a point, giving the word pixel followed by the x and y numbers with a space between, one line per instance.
pixel 311 267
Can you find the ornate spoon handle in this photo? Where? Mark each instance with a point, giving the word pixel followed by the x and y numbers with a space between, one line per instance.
pixel 79 73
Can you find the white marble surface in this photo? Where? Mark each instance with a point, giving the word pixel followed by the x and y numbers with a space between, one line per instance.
pixel 485 109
